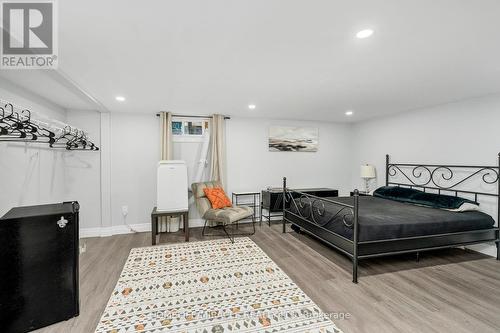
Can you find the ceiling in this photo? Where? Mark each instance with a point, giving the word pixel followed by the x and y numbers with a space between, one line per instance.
pixel 292 59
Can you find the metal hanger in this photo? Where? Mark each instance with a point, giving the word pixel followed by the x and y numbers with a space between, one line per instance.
pixel 19 127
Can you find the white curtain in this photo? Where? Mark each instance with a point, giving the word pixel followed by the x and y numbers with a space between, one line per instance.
pixel 218 149
pixel 166 153
pixel 166 135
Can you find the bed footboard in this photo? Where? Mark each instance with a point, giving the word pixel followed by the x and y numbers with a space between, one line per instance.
pixel 311 220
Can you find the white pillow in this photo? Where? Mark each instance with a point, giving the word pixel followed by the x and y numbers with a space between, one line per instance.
pixel 466 207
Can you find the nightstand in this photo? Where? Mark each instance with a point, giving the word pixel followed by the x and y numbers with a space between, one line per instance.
pixel 361 194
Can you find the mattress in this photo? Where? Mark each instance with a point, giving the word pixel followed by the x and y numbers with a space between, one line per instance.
pixel 381 219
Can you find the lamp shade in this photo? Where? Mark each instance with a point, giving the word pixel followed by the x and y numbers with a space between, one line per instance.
pixel 367 171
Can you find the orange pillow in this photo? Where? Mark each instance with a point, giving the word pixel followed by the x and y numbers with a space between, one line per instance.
pixel 217 197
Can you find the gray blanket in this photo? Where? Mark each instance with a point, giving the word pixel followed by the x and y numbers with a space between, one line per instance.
pixel 386 219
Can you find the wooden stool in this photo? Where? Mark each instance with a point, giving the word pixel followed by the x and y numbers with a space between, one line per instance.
pixel 155 215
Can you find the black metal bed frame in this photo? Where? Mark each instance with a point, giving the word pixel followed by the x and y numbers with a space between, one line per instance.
pixel 437 178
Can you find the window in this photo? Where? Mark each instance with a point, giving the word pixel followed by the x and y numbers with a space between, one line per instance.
pixel 193 128
pixel 189 129
pixel 177 128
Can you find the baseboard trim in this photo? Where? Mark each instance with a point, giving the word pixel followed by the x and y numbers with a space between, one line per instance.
pixel 127 229
pixel 114 230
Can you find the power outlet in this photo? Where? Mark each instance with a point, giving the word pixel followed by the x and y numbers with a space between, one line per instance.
pixel 124 210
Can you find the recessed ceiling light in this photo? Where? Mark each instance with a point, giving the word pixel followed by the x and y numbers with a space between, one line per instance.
pixel 349 113
pixel 364 33
pixel 120 98
pixel 252 106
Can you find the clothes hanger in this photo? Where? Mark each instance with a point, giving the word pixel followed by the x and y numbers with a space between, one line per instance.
pixel 65 139
pixel 27 124
pixel 22 123
pixel 20 127
pixel 23 128
pixel 3 130
pixel 15 125
pixel 41 131
pixel 81 142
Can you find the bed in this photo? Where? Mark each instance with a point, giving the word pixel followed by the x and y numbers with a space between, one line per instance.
pixel 372 226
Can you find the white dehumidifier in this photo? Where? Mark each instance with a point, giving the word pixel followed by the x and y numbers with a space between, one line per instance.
pixel 172 189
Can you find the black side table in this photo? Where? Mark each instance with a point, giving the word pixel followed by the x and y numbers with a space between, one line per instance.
pixel 155 215
pixel 361 194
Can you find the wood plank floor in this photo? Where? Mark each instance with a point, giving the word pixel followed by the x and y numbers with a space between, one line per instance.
pixel 447 291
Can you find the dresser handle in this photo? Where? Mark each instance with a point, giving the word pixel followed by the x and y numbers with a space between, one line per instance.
pixel 62 222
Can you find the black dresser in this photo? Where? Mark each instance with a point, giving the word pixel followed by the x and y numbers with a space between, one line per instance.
pixel 38 266
pixel 272 200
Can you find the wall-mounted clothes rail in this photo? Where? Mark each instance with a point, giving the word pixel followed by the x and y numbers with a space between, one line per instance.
pixel 18 125
pixel 189 116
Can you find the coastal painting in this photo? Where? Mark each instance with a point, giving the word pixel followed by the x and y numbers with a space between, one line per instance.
pixel 302 139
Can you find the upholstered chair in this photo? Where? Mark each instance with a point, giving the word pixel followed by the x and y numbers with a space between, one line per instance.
pixel 222 217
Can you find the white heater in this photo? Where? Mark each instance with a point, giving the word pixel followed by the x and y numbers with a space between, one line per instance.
pixel 172 186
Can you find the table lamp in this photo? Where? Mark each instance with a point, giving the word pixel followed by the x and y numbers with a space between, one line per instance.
pixel 367 173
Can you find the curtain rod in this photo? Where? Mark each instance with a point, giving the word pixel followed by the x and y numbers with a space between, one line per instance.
pixel 185 116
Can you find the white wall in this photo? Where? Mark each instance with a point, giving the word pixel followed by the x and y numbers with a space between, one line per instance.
pixel 134 157
pixel 252 167
pixel 83 171
pixel 465 132
pixel 31 173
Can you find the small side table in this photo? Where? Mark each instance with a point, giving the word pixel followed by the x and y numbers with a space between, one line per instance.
pixel 361 194
pixel 254 203
pixel 155 215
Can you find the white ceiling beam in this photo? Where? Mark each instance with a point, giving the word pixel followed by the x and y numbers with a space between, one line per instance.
pixel 33 96
pixel 65 80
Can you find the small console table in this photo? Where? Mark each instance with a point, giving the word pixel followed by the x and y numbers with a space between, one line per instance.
pixel 155 216
pixel 272 200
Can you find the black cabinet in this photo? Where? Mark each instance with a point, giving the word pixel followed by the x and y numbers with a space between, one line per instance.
pixel 272 199
pixel 38 266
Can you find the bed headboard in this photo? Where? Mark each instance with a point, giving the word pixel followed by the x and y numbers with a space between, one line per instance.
pixel 449 179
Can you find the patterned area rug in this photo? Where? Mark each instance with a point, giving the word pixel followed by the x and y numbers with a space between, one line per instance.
pixel 208 287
